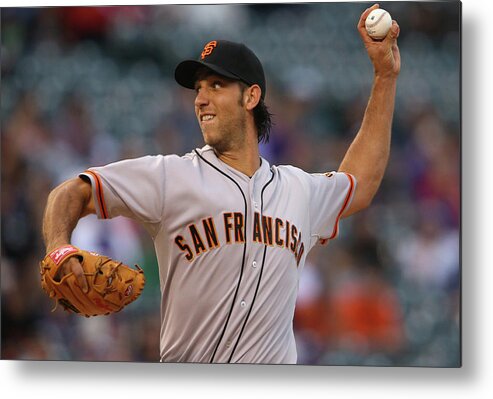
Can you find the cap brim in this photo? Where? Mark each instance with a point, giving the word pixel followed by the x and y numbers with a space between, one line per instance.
pixel 186 72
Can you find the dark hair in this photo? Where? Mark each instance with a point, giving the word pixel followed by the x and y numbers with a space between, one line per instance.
pixel 261 116
pixel 263 121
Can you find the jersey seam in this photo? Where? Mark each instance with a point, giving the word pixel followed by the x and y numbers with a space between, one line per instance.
pixel 163 210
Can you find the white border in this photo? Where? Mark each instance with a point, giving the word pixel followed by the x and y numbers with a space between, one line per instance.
pixel 473 380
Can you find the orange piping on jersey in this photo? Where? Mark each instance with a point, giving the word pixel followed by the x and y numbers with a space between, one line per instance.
pixel 99 193
pixel 346 202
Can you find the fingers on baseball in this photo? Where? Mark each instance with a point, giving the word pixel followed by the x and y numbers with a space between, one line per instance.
pixel 394 31
pixel 361 23
pixel 364 15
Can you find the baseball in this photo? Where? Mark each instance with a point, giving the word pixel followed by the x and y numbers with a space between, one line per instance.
pixel 378 23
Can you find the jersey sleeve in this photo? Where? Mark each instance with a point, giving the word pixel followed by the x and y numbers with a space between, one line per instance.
pixel 133 188
pixel 331 194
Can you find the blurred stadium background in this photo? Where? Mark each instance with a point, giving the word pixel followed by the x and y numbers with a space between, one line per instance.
pixel 85 86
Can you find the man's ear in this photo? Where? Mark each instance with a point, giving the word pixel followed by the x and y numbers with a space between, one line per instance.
pixel 251 96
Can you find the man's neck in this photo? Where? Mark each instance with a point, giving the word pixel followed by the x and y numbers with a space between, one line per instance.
pixel 245 160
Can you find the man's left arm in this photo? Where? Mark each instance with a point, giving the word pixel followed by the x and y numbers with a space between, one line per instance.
pixel 368 154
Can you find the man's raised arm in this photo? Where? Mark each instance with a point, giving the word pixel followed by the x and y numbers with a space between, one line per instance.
pixel 368 154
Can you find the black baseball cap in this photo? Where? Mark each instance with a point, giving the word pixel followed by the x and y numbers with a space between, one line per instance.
pixel 229 59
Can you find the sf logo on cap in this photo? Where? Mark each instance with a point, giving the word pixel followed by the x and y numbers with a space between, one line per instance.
pixel 208 49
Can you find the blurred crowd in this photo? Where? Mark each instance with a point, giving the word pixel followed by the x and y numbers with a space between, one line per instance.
pixel 85 86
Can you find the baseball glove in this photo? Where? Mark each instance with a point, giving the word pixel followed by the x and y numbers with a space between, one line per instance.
pixel 112 285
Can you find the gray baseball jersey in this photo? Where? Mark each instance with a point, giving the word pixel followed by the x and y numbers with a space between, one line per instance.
pixel 230 248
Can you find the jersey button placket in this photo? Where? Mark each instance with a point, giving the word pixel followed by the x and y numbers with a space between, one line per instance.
pixel 256 207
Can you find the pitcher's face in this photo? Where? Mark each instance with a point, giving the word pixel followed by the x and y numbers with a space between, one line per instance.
pixel 220 111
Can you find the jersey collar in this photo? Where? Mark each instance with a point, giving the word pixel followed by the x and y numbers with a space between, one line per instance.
pixel 262 173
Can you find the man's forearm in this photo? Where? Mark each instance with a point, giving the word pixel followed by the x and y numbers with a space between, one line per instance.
pixel 368 154
pixel 65 206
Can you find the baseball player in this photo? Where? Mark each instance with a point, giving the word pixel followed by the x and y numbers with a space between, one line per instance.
pixel 232 232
